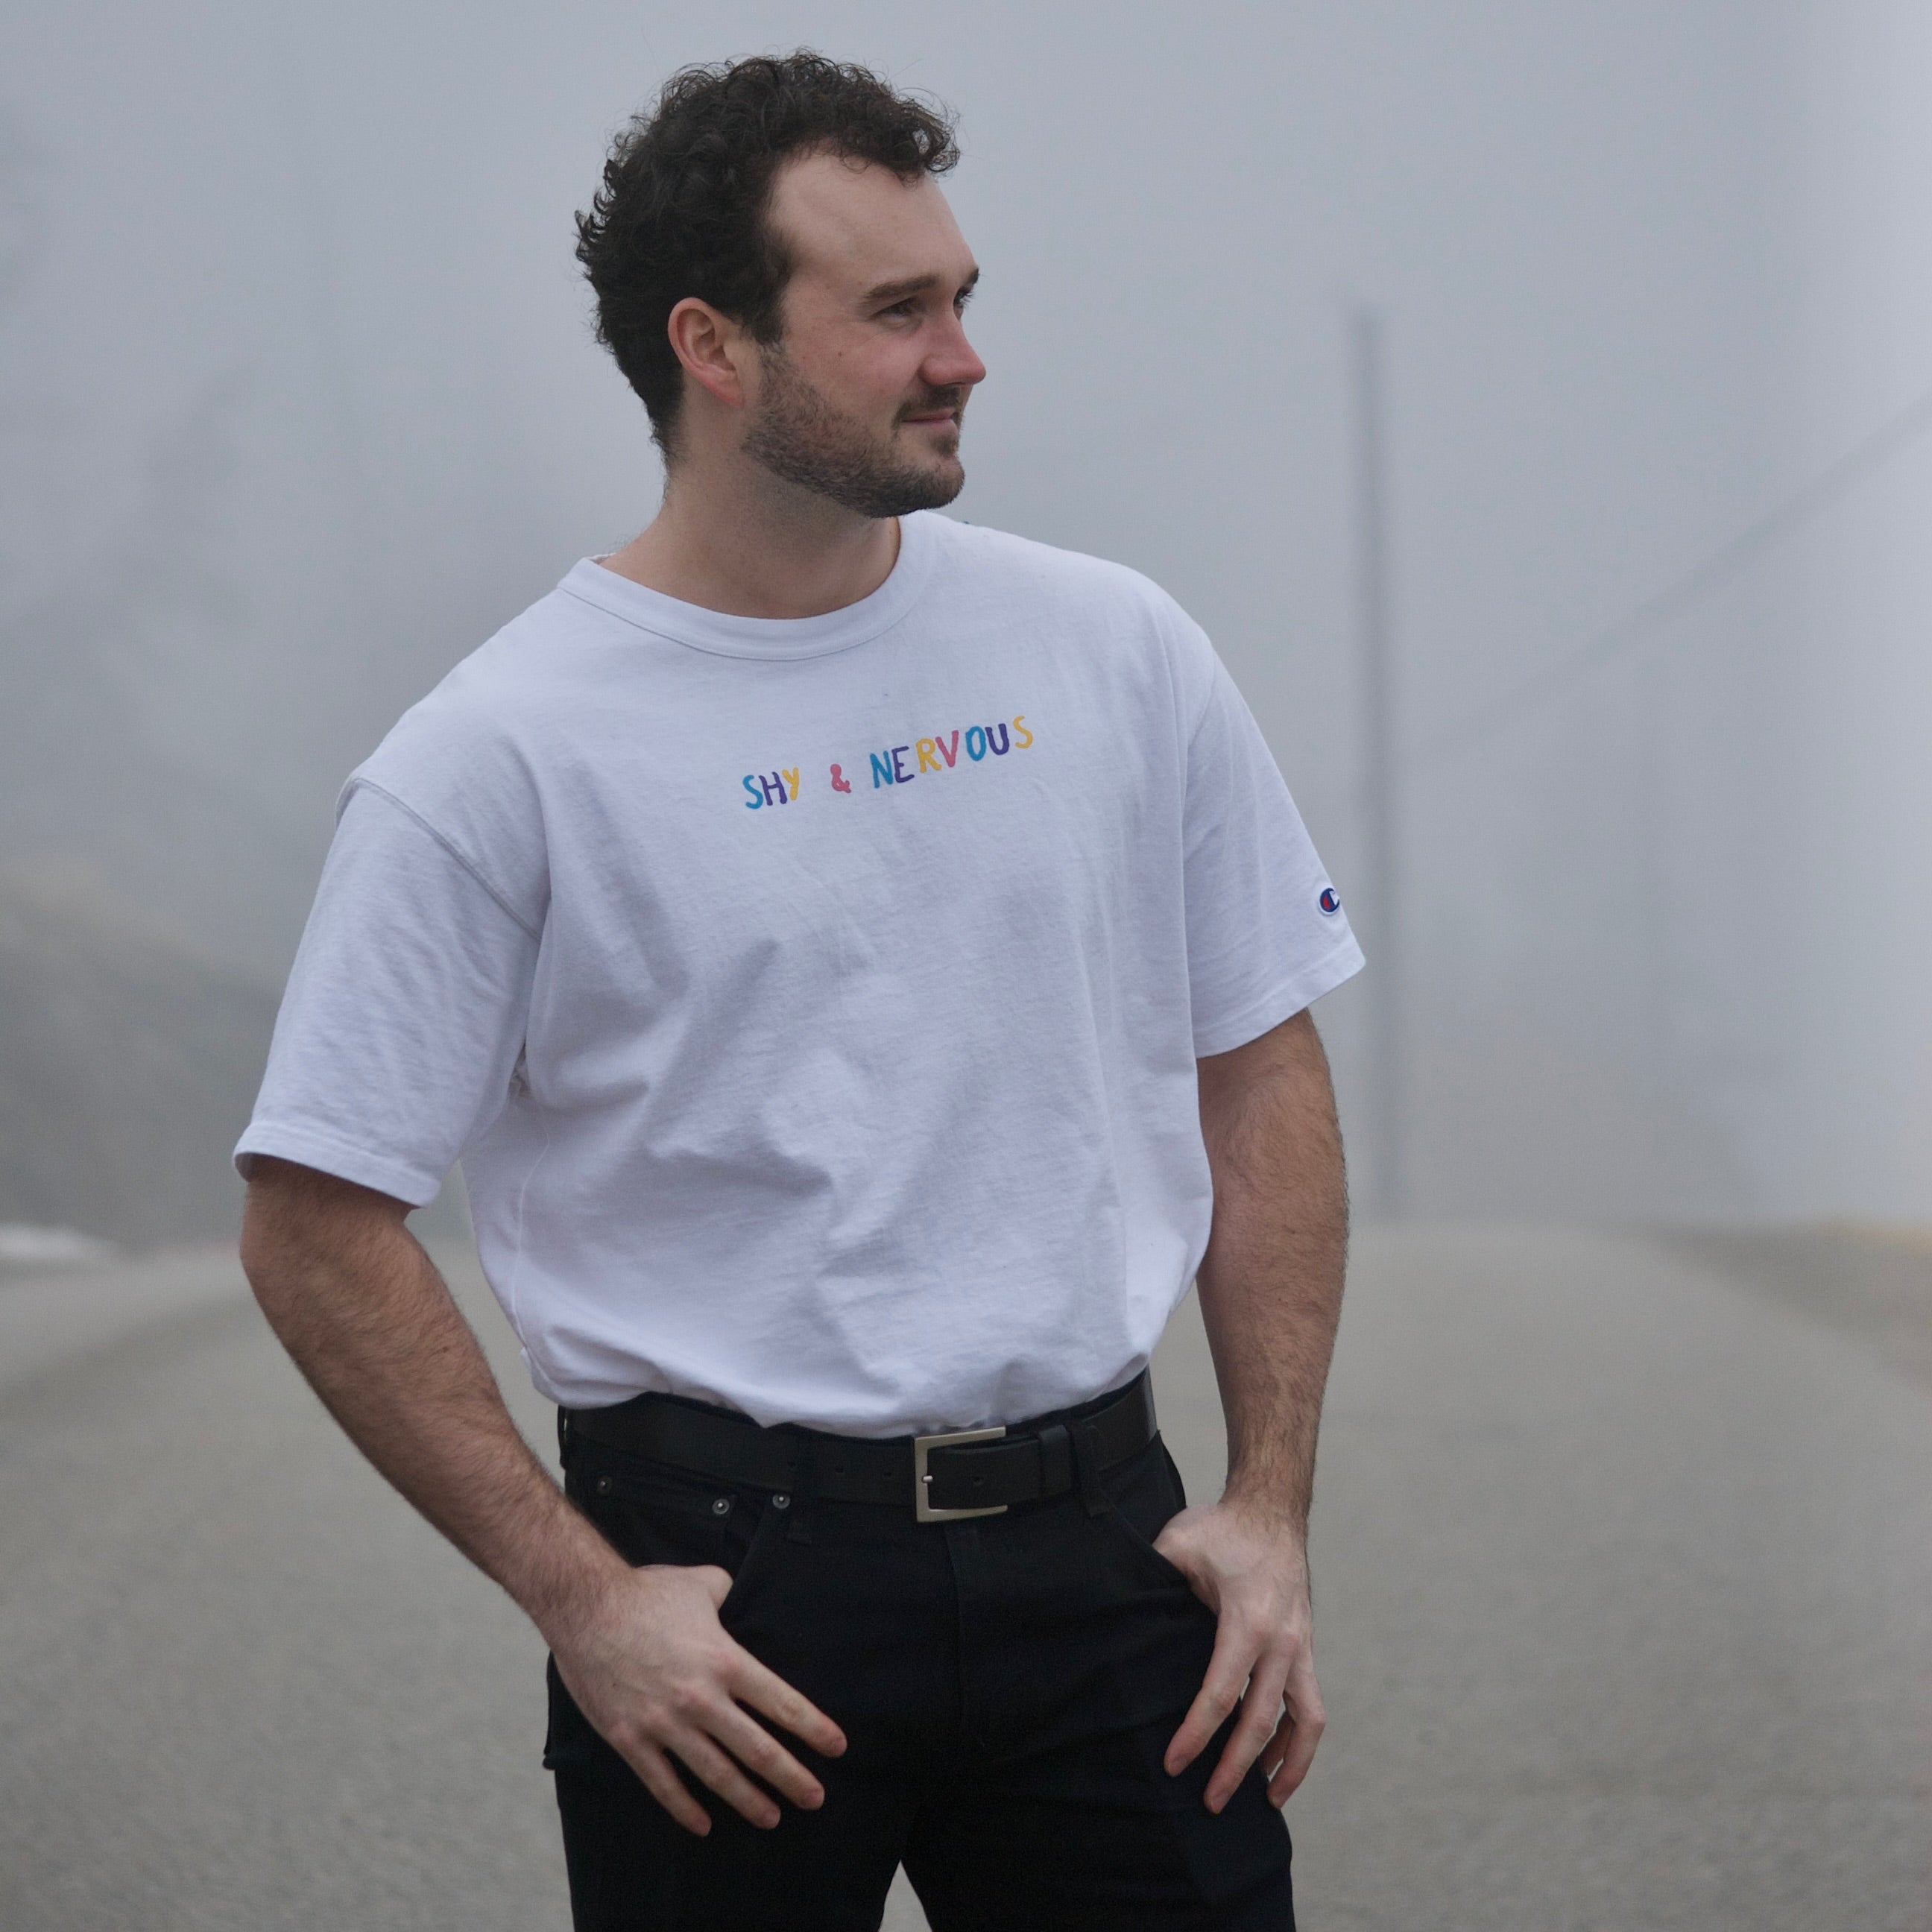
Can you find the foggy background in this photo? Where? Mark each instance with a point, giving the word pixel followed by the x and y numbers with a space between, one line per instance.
pixel 1625 1541
pixel 298 403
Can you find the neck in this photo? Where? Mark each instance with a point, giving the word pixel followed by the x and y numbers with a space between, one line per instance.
pixel 731 537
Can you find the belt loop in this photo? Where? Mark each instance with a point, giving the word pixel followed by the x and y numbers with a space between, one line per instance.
pixel 798 1520
pixel 1056 1460
pixel 563 1435
pixel 805 1490
pixel 1087 1461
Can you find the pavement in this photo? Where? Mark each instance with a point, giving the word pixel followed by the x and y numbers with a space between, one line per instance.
pixel 1623 1554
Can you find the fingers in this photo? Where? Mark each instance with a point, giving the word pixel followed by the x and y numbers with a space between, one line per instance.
pixel 754 1746
pixel 1259 1711
pixel 721 1745
pixel 1220 1691
pixel 720 1742
pixel 663 1784
pixel 1275 1752
pixel 714 1767
pixel 1303 1723
pixel 766 1691
pixel 1284 1740
pixel 661 1678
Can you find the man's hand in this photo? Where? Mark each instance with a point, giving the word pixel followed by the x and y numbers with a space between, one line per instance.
pixel 361 1309
pixel 654 1671
pixel 1253 1574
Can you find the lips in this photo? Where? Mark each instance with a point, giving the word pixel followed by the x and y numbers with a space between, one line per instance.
pixel 938 412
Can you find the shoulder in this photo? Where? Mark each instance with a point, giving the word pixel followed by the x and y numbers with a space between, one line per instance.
pixel 1128 616
pixel 1021 566
pixel 465 761
pixel 490 702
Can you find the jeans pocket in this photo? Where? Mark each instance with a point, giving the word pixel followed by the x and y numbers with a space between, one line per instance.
pixel 1142 1497
pixel 655 1517
pixel 1142 1546
pixel 754 1558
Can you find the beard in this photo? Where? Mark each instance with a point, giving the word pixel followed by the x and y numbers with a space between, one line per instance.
pixel 799 435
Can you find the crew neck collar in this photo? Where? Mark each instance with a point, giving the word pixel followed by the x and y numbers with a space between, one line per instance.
pixel 724 635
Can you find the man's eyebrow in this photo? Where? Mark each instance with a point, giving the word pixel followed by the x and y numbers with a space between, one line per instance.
pixel 913 285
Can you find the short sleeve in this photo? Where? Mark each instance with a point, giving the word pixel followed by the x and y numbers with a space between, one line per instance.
pixel 405 1013
pixel 1266 933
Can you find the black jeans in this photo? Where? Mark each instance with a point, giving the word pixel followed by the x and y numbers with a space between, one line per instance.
pixel 1007 1687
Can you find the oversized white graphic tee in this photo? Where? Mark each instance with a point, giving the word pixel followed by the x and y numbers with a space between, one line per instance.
pixel 813 1004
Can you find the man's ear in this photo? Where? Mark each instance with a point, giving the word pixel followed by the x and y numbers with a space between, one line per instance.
pixel 714 349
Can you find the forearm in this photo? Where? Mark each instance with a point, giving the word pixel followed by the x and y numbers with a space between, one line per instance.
pixel 370 1322
pixel 361 1308
pixel 1270 1283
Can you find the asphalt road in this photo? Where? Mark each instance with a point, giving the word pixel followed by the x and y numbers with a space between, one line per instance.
pixel 1624 1571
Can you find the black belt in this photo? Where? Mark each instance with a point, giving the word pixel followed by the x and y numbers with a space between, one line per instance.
pixel 960 1472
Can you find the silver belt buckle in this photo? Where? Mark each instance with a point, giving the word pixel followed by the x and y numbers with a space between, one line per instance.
pixel 921 1447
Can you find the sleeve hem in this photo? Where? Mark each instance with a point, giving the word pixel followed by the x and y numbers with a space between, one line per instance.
pixel 328 1155
pixel 1283 1001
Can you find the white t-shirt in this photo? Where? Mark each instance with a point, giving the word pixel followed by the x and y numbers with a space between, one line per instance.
pixel 813 1004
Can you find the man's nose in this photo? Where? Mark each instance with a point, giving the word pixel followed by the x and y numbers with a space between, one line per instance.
pixel 953 364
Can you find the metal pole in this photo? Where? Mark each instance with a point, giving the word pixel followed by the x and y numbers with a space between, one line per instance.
pixel 1382 932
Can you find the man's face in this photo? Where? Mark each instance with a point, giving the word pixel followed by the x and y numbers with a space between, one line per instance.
pixel 861 400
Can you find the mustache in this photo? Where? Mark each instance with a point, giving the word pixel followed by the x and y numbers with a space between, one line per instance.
pixel 953 399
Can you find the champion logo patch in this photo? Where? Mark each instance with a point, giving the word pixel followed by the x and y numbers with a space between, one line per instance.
pixel 1329 904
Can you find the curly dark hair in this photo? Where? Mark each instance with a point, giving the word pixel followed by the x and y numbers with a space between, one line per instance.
pixel 682 210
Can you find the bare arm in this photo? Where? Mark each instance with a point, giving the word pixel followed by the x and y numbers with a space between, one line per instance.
pixel 1271 1290
pixel 360 1306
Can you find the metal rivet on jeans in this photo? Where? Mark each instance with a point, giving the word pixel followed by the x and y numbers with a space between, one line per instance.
pixel 603 1486
pixel 722 1507
pixel 780 1502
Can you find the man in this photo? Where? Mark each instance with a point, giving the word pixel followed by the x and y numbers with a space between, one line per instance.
pixel 853 955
